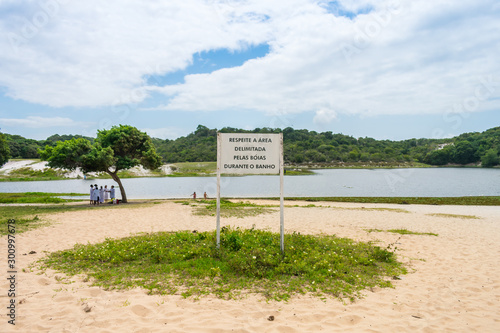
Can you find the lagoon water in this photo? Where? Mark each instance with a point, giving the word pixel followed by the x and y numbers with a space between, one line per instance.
pixel 425 182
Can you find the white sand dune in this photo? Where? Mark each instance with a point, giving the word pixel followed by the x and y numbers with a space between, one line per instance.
pixel 453 283
pixel 13 165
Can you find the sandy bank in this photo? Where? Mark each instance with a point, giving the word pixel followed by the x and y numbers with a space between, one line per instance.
pixel 453 284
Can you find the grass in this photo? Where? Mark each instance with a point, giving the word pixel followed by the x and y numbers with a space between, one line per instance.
pixel 404 232
pixel 29 217
pixel 36 197
pixel 375 209
pixel 194 169
pixel 201 169
pixel 371 209
pixel 362 165
pixel 298 172
pixel 242 209
pixel 127 174
pixel 472 217
pixel 22 224
pixel 474 201
pixel 28 174
pixel 248 261
pixel 228 208
pixel 33 216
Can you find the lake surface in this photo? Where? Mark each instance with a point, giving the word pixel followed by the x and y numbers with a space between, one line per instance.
pixel 425 182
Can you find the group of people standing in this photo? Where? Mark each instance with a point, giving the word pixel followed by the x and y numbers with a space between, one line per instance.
pixel 101 195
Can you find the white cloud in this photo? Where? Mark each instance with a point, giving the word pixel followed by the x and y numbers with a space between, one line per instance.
pixel 324 116
pixel 407 58
pixel 402 57
pixel 41 122
pixel 95 53
pixel 165 133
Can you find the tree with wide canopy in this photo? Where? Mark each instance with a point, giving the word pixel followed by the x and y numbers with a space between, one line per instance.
pixel 4 150
pixel 119 148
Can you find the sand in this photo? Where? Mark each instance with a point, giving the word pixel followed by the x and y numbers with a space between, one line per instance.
pixel 13 165
pixel 453 284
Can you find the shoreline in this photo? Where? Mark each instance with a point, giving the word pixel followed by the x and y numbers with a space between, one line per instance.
pixel 36 170
pixel 438 201
pixel 401 201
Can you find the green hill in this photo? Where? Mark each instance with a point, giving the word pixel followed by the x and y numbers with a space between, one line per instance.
pixel 302 146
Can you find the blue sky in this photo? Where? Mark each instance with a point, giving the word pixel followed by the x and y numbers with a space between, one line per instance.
pixel 387 69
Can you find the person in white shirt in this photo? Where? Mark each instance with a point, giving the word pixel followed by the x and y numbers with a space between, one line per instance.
pixel 101 195
pixel 106 193
pixel 95 194
pixel 112 193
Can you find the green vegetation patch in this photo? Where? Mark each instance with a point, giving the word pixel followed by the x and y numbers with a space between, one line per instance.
pixel 298 172
pixel 193 169
pixel 22 224
pixel 404 232
pixel 36 197
pixel 197 169
pixel 248 261
pixel 228 208
pixel 471 217
pixel 28 217
pixel 28 174
pixel 472 201
pixel 376 209
pixel 33 216
pixel 370 209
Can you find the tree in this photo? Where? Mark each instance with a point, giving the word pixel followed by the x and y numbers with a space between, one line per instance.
pixel 353 155
pixel 21 147
pixel 464 153
pixel 119 148
pixel 4 150
pixel 490 159
pixel 439 157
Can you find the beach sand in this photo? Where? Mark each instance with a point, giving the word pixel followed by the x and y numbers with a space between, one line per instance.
pixel 453 284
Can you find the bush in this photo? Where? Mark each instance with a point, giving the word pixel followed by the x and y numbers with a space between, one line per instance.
pixel 490 159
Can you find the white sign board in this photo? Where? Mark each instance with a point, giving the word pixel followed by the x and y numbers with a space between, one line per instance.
pixel 248 153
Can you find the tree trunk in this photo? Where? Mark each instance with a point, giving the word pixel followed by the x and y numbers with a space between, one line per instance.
pixel 117 179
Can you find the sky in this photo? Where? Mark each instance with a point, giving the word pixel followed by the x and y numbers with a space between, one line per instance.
pixel 386 69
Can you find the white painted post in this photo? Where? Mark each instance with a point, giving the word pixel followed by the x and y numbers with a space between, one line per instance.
pixel 282 217
pixel 218 187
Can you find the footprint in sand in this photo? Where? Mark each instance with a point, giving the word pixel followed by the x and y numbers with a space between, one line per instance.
pixel 94 292
pixel 140 310
pixel 67 299
pixel 44 281
pixel 351 320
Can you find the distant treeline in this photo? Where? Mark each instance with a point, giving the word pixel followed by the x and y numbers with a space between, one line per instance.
pixel 21 147
pixel 304 146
